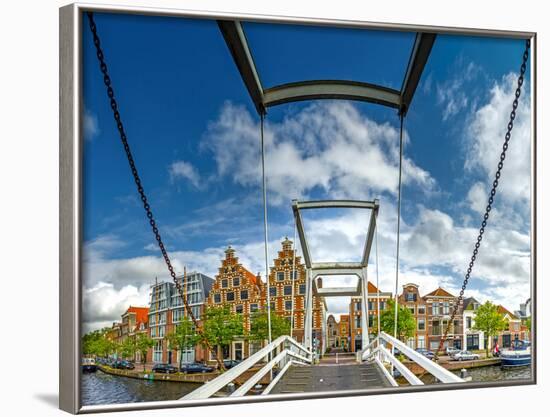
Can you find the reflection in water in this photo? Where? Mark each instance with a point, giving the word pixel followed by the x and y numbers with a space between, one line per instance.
pixel 101 388
pixel 490 374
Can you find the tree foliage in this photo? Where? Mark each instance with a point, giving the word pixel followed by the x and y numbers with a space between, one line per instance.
pixel 96 343
pixel 406 324
pixel 489 321
pixel 221 327
pixel 143 343
pixel 259 326
pixel 184 337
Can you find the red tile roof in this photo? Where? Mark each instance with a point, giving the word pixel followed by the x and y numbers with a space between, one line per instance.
pixel 140 312
pixel 502 310
pixel 253 279
pixel 439 292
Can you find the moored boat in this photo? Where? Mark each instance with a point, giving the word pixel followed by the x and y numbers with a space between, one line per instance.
pixel 89 365
pixel 518 355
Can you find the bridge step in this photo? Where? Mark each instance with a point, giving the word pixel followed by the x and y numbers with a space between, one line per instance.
pixel 299 379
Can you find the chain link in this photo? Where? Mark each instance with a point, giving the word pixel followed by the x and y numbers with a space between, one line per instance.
pixel 493 192
pixel 137 179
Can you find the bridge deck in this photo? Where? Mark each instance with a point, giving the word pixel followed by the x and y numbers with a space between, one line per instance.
pixel 322 378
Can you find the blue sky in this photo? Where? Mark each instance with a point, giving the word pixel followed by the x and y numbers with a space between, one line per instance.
pixel 195 137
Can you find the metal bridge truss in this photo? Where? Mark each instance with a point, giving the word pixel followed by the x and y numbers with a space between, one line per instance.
pixel 378 351
pixel 315 269
pixel 285 352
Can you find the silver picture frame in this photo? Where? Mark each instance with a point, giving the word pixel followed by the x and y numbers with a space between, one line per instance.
pixel 71 211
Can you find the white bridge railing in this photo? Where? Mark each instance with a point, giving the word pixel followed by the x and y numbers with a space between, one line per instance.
pixel 284 351
pixel 378 352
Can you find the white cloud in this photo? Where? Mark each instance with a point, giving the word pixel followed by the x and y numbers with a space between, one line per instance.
pixel 453 94
pixel 184 170
pixel 91 126
pixel 103 304
pixel 486 136
pixel 328 146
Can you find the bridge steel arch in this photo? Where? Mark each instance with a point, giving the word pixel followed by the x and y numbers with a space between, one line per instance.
pixel 315 269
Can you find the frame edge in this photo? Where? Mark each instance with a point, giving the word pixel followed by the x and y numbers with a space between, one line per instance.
pixel 69 384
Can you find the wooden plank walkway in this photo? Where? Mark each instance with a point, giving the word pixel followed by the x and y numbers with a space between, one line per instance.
pixel 318 378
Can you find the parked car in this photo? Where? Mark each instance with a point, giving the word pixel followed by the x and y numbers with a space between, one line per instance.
pixel 450 351
pixel 164 368
pixel 465 355
pixel 196 368
pixel 427 353
pixel 230 363
pixel 127 364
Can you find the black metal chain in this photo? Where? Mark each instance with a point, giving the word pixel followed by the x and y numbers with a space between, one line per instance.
pixel 507 138
pixel 137 180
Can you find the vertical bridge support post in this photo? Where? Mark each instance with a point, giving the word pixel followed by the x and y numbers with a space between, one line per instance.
pixel 308 320
pixel 364 309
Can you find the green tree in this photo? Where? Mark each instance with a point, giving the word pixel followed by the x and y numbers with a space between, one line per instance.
pixel 406 324
pixel 489 321
pixel 528 325
pixel 220 328
pixel 96 343
pixel 258 326
pixel 128 348
pixel 143 344
pixel 183 338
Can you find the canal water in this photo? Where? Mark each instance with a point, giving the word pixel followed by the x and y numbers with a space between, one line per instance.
pixel 490 374
pixel 100 388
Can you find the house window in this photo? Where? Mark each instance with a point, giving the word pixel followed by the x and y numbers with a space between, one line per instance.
pixel 436 330
pixel 371 305
pixel 280 276
pixel 230 296
pixel 358 306
pixel 435 309
pixel 472 341
pixel 272 291
pixel 421 324
pixel 253 308
pixel 302 288
pixel 446 307
pixel 371 320
pixel 421 343
pixel 239 309
pixel 288 290
pixel 244 295
pixel 422 309
pixel 456 326
pixel 411 297
pixel 224 283
pixel 382 305
pixel 358 322
pixel 236 281
pixel 294 274
pixel 288 305
pixel 411 308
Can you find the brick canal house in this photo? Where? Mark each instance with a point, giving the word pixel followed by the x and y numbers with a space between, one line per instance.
pixel 281 282
pixel 513 331
pixel 332 332
pixel 167 309
pixel 344 332
pixel 134 322
pixel 410 298
pixel 244 293
pixel 439 306
pixel 355 313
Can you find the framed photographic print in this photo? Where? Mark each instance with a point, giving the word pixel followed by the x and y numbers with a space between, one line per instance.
pixel 262 208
